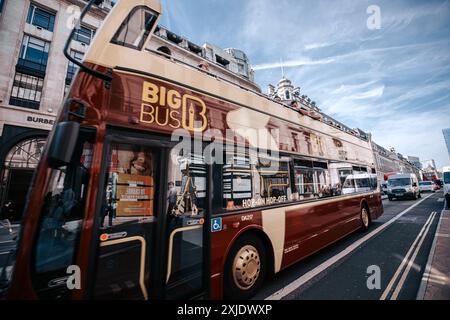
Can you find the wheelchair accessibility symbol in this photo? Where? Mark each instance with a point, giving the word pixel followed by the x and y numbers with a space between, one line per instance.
pixel 216 224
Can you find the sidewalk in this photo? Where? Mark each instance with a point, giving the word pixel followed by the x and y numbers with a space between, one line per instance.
pixel 435 283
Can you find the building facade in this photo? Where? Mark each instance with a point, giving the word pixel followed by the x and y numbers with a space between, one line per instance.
pixel 386 161
pixel 415 161
pixel 35 76
pixel 446 133
pixel 390 161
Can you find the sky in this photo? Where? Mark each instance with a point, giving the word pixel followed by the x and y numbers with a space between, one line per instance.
pixel 387 76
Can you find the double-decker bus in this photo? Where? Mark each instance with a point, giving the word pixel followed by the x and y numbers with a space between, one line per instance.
pixel 161 181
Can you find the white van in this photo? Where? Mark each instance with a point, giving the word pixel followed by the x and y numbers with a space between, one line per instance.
pixel 446 182
pixel 363 182
pixel 403 186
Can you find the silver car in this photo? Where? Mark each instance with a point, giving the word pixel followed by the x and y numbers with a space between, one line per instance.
pixel 427 186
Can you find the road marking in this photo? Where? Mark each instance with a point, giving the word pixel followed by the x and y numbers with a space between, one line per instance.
pixel 440 200
pixel 405 260
pixel 427 272
pixel 278 295
pixel 411 261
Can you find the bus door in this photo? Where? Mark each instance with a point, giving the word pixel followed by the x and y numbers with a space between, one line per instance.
pixel 150 246
pixel 186 272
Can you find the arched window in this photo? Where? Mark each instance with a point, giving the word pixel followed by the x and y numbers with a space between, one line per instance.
pixel 25 154
pixel 287 95
pixel 16 176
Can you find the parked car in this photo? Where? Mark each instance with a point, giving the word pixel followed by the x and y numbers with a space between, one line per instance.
pixel 403 186
pixel 427 186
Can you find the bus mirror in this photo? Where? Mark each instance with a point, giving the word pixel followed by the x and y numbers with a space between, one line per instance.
pixel 63 143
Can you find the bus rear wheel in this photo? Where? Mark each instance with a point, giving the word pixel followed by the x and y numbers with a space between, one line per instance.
pixel 245 269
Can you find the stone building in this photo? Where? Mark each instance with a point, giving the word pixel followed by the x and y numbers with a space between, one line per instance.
pixel 35 75
pixel 387 161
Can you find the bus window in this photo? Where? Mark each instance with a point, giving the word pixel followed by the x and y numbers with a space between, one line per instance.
pixel 187 185
pixel 62 217
pixel 312 179
pixel 250 185
pixel 131 186
pixel 274 177
pixel 237 181
pixel 135 29
pixel 348 185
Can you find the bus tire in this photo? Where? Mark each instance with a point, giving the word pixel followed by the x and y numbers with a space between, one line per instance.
pixel 245 268
pixel 365 218
pixel 390 198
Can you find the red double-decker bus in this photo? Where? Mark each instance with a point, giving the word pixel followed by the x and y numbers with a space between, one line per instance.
pixel 161 181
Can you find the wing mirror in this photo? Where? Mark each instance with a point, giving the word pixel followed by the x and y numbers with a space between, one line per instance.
pixel 63 143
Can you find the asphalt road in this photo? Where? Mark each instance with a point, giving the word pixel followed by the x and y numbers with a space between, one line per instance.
pixel 337 272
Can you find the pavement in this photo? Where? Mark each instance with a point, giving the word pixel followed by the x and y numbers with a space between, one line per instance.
pixel 436 277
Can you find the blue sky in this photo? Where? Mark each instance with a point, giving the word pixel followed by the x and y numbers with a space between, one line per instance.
pixel 393 82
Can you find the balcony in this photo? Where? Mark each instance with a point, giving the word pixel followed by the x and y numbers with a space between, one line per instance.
pixel 24 103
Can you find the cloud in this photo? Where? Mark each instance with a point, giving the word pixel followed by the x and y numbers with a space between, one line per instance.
pixel 392 82
pixel 291 63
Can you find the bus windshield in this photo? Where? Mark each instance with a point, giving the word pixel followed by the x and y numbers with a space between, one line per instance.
pixel 399 182
pixel 62 212
pixel 447 177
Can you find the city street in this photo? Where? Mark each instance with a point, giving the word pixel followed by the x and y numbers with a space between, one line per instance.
pixel 324 276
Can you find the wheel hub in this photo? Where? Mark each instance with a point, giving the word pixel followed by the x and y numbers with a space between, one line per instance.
pixel 365 217
pixel 246 267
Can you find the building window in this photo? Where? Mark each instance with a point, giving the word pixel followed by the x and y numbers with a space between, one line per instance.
pixel 33 56
pixel 41 18
pixel 1 5
pixel 26 91
pixel 287 95
pixel 84 35
pixel 241 68
pixel 72 69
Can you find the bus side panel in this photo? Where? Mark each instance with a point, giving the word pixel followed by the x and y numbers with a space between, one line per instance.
pixel 376 206
pixel 311 228
pixel 222 240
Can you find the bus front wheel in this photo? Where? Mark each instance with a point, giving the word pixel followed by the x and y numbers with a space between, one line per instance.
pixel 245 269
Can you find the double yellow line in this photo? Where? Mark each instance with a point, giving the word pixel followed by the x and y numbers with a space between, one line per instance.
pixel 408 261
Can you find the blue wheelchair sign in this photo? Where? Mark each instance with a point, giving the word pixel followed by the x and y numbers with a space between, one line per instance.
pixel 216 224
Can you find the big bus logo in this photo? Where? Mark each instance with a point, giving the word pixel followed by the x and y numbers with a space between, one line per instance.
pixel 165 107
